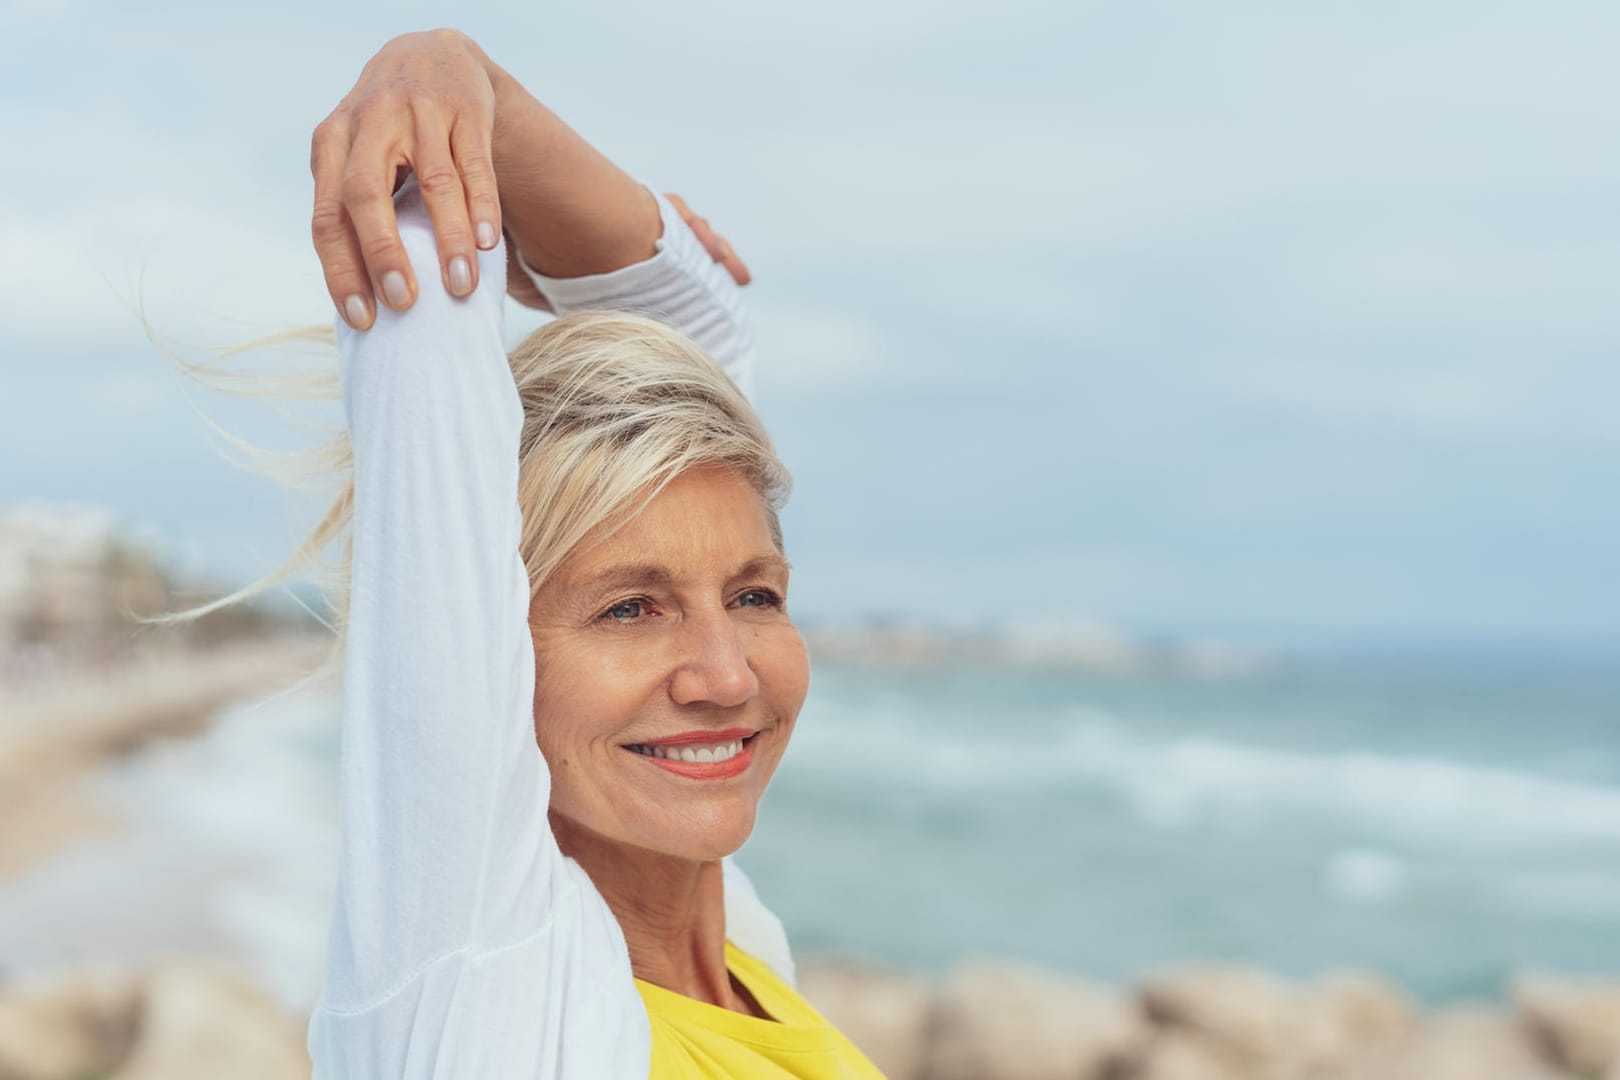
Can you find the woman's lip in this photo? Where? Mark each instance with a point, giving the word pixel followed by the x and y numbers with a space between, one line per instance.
pixel 735 765
pixel 687 738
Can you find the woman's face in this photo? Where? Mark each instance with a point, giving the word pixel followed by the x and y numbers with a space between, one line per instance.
pixel 669 640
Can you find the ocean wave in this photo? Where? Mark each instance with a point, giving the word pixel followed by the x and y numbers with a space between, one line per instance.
pixel 1180 782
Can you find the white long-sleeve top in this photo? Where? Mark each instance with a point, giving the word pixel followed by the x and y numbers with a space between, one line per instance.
pixel 463 943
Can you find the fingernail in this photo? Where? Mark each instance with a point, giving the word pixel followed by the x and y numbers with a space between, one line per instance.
pixel 395 289
pixel 486 235
pixel 460 276
pixel 354 310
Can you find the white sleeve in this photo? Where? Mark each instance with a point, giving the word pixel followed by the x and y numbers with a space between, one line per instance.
pixel 680 286
pixel 462 942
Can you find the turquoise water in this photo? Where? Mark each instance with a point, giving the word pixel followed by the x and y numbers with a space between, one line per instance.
pixel 1449 821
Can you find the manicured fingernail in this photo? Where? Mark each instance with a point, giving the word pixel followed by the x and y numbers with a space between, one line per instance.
pixel 460 276
pixel 486 235
pixel 395 289
pixel 354 310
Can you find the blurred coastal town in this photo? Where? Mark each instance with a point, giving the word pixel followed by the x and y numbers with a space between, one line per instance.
pixel 86 688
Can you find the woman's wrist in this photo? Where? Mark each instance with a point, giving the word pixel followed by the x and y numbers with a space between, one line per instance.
pixel 569 210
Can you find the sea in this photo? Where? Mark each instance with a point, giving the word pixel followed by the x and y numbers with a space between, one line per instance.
pixel 1449 821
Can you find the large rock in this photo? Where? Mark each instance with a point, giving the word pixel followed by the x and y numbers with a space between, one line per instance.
pixel 67 1029
pixel 1249 1013
pixel 203 1021
pixel 1183 1054
pixel 882 1012
pixel 1457 1044
pixel 1575 1022
pixel 1340 1018
pixel 1003 1021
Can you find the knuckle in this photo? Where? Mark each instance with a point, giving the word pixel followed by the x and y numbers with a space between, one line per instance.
pixel 359 187
pixel 327 222
pixel 439 181
pixel 379 249
pixel 421 100
pixel 477 171
pixel 321 142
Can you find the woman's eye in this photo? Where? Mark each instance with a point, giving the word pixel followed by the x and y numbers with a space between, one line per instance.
pixel 759 598
pixel 624 611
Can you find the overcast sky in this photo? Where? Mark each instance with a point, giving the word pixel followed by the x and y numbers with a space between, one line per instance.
pixel 1181 316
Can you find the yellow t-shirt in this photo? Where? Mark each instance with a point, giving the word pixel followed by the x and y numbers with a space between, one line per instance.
pixel 693 1040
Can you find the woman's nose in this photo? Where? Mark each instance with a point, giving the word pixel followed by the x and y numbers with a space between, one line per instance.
pixel 713 667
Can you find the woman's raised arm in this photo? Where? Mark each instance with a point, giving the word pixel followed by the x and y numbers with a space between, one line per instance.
pixel 461 941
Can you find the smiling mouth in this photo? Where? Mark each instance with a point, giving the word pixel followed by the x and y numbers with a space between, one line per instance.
pixel 716 759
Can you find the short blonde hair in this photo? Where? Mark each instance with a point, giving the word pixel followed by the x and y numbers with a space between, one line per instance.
pixel 615 406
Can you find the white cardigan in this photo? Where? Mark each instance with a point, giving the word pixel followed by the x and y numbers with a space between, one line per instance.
pixel 463 943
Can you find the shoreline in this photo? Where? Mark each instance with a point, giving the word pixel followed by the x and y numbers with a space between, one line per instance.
pixel 54 739
pixel 196 1017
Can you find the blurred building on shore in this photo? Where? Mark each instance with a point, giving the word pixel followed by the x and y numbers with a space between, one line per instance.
pixel 75 583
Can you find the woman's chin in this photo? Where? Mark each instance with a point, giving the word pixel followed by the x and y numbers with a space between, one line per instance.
pixel 700 836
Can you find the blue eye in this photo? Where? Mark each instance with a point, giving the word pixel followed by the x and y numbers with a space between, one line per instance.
pixel 624 611
pixel 764 598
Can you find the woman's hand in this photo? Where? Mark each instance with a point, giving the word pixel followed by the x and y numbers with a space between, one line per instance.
pixel 425 102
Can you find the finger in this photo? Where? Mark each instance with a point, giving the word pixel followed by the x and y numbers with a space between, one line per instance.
pixel 699 226
pixel 720 250
pixel 733 262
pixel 367 176
pixel 470 142
pixel 446 200
pixel 335 243
pixel 717 246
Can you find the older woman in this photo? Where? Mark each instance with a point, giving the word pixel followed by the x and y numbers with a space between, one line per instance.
pixel 574 546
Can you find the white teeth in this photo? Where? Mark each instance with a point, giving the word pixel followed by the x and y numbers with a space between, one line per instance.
pixel 704 755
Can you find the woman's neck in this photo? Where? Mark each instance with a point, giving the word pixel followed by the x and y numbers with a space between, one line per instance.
pixel 672 912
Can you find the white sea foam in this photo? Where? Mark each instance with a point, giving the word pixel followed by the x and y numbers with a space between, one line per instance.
pixel 1365 875
pixel 253 803
pixel 1179 782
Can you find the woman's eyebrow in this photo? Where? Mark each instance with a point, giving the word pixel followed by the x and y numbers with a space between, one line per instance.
pixel 763 564
pixel 628 573
pixel 619 575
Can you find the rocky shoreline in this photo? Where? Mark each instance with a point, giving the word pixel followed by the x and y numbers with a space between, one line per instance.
pixel 986 1020
pixel 993 1020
